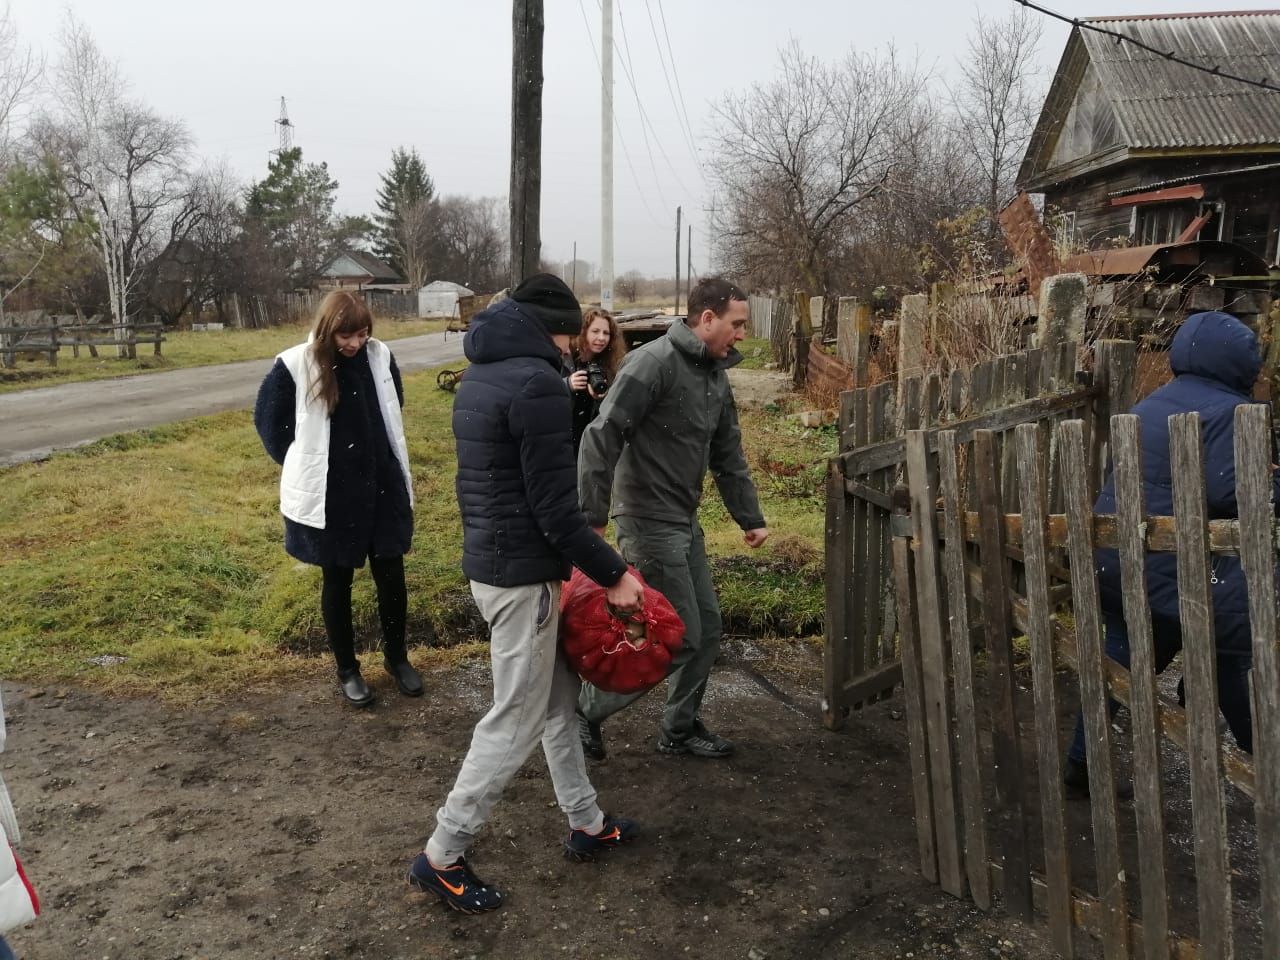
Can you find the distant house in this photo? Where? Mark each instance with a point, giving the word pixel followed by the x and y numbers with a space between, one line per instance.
pixel 1134 146
pixel 358 270
pixel 440 298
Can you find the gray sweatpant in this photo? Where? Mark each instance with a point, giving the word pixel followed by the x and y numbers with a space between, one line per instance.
pixel 534 694
pixel 672 558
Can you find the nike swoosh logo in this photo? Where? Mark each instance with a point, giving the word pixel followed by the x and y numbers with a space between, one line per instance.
pixel 611 835
pixel 456 891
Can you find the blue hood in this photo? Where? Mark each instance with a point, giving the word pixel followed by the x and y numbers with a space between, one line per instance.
pixel 508 330
pixel 1217 346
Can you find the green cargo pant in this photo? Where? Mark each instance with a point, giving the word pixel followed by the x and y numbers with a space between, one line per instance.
pixel 672 558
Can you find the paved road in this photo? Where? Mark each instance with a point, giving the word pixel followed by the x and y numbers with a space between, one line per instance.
pixel 33 423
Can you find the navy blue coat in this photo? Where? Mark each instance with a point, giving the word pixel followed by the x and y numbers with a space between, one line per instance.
pixel 366 507
pixel 517 480
pixel 1215 360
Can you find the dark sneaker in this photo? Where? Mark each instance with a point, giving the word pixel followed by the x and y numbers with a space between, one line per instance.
pixel 592 738
pixel 700 742
pixel 455 884
pixel 616 831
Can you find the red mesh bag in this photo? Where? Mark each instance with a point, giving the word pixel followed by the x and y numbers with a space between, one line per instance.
pixel 619 653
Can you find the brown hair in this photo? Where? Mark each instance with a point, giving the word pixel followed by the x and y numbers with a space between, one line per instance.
pixel 711 293
pixel 339 312
pixel 613 353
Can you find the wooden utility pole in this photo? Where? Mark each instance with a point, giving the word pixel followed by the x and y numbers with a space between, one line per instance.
pixel 526 138
pixel 677 310
pixel 688 273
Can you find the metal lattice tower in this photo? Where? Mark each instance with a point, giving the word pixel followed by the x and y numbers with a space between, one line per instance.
pixel 284 127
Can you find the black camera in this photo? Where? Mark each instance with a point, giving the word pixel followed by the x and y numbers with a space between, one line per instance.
pixel 596 379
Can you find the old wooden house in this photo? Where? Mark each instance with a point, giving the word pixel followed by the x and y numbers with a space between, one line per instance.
pixel 1133 148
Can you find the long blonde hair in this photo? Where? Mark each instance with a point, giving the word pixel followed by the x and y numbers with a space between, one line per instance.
pixel 339 312
pixel 613 353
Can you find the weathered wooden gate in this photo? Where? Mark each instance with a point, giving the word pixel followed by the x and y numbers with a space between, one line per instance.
pixel 995 532
pixel 861 644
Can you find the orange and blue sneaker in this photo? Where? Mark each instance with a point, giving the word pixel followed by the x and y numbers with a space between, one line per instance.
pixel 456 885
pixel 583 846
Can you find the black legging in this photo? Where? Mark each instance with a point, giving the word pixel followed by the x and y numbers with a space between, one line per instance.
pixel 393 603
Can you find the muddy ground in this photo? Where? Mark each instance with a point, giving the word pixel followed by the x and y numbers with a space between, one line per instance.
pixel 280 823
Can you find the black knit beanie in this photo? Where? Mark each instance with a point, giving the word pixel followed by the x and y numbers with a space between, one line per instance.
pixel 552 301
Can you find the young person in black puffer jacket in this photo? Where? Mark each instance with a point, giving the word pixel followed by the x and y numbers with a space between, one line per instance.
pixel 522 533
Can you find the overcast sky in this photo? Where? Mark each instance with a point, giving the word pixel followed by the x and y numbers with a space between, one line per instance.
pixel 362 78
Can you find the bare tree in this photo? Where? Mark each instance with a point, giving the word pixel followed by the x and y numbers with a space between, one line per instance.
pixel 998 100
pixel 125 167
pixel 470 234
pixel 795 160
pixel 20 71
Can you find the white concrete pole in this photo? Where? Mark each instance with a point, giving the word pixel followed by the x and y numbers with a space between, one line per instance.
pixel 606 154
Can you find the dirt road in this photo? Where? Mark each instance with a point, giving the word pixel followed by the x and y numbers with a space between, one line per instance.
pixel 268 824
pixel 33 423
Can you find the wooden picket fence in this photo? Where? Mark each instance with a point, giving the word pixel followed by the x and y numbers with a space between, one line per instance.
pixel 992 537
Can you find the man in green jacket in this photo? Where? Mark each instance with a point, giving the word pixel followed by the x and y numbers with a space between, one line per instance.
pixel 668 416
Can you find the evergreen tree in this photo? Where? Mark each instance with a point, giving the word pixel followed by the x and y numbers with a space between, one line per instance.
pixel 405 217
pixel 292 207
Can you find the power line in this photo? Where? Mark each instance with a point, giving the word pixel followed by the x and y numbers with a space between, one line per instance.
pixel 676 73
pixel 644 116
pixel 1170 55
pixel 617 126
pixel 627 69
pixel 682 121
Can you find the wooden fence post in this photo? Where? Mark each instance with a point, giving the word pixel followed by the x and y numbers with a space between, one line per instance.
pixel 1126 452
pixel 1114 369
pixel 1114 913
pixel 801 335
pixel 1204 747
pixel 1258 560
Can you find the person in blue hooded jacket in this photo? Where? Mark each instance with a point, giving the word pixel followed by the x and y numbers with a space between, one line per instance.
pixel 1215 360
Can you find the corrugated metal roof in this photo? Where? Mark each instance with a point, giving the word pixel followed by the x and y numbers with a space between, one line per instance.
pixel 1164 105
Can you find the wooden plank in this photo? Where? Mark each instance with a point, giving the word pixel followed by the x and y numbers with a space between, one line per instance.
pixel 930 611
pixel 861 570
pixel 931 401
pixel 835 646
pixel 1086 911
pixel 1204 756
pixel 849 400
pixel 1126 442
pixel 1159 534
pixel 890 452
pixel 1010 812
pixel 913 697
pixel 957 393
pixel 1093 690
pixel 871 557
pixel 1057 858
pixel 1258 559
pixel 874 680
pixel 968 752
pixel 884 418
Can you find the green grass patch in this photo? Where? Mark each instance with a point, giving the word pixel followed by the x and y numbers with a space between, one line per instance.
pixel 165 547
pixel 756 352
pixel 184 348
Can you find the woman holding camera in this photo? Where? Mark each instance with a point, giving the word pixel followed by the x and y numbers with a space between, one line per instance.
pixel 597 350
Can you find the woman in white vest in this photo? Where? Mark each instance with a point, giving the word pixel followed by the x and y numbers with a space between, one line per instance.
pixel 329 413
